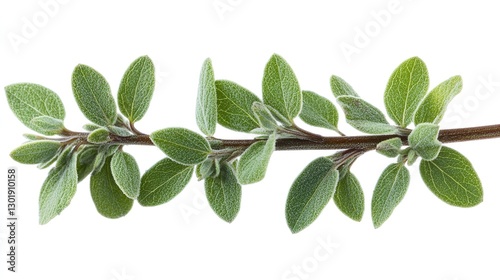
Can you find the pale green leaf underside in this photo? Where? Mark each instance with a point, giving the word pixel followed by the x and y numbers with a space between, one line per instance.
pixel 253 162
pixel 93 95
pixel 47 125
pixel 310 193
pixel 58 190
pixel 434 105
pixel 349 197
pixel 423 140
pixel 98 136
pixel 206 102
pixel 318 111
pixel 35 152
pixel 389 191
pixel 163 181
pixel 390 147
pixel 182 145
pixel 363 116
pixel 407 86
pixel 452 178
pixel 29 101
pixel 234 106
pixel 341 88
pixel 136 89
pixel 126 173
pixel 85 162
pixel 280 88
pixel 224 193
pixel 108 199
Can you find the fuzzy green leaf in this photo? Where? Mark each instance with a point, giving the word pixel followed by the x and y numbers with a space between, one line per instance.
pixel 58 190
pixel 29 101
pixel 364 117
pixel 341 88
pixel 349 197
pixel 423 140
pixel 36 152
pixel 253 162
pixel 47 125
pixel 224 193
pixel 452 178
pixel 407 86
pixel 209 168
pixel 310 193
pixel 390 147
pixel 163 181
pixel 107 196
pixel 434 105
pixel 206 102
pixel 234 106
pixel 99 136
pixel 126 174
pixel 85 162
pixel 182 145
pixel 389 191
pixel 136 89
pixel 93 95
pixel 318 111
pixel 264 117
pixel 280 88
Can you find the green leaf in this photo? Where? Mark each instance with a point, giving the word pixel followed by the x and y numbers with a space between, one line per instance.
pixel 85 162
pixel 253 162
pixel 99 136
pixel 452 178
pixel 310 193
pixel 280 88
pixel 434 105
pixel 264 117
pixel 206 102
pixel 234 106
pixel 209 168
pixel 120 131
pixel 58 190
pixel 47 125
pixel 163 181
pixel 182 145
pixel 91 127
pixel 35 152
pixel 126 173
pixel 29 101
pixel 423 140
pixel 278 116
pixel 107 196
pixel 349 197
pixel 341 88
pixel 407 86
pixel 136 89
pixel 363 116
pixel 224 193
pixel 389 191
pixel 318 111
pixel 390 147
pixel 93 95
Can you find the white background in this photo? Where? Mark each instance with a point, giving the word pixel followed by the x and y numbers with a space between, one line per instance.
pixel 184 239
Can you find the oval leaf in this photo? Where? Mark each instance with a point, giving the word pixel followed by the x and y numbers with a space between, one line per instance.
pixel 47 125
pixel 224 193
pixel 99 136
pixel 58 190
pixel 349 197
pixel 29 101
pixel 93 95
pixel 136 89
pixel 434 105
pixel 280 88
pixel 163 181
pixel 253 162
pixel 310 193
pixel 423 140
pixel 264 117
pixel 107 196
pixel 206 102
pixel 182 145
pixel 36 152
pixel 364 117
pixel 390 147
pixel 85 162
pixel 234 106
pixel 407 86
pixel 126 174
pixel 452 178
pixel 389 191
pixel 318 111
pixel 340 87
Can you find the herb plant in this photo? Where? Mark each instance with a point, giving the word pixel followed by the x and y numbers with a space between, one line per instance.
pixel 225 165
